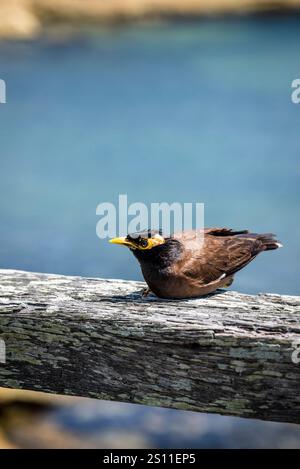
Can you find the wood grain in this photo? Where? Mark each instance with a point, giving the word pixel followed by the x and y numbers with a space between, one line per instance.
pixel 227 353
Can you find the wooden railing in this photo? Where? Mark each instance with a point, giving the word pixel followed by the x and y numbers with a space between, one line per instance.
pixel 228 353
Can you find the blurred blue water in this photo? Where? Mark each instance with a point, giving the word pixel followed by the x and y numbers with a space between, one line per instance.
pixel 190 112
pixel 127 424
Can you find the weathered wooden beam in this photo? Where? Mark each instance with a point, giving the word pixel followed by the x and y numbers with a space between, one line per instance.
pixel 227 353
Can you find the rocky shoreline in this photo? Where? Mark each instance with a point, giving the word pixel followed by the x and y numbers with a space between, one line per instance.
pixel 21 19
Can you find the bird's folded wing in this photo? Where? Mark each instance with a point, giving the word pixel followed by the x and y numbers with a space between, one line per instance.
pixel 220 255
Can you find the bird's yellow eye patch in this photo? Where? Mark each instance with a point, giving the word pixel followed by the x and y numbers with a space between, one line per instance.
pixel 149 243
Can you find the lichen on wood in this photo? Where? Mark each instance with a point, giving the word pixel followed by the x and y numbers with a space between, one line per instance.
pixel 227 353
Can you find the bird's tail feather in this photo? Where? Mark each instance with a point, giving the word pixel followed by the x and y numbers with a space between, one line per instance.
pixel 268 240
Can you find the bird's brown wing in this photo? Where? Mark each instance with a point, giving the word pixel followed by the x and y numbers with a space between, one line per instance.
pixel 222 253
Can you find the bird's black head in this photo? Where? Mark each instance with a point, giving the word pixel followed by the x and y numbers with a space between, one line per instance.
pixel 150 246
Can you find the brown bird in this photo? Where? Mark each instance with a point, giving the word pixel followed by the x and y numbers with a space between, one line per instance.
pixel 187 265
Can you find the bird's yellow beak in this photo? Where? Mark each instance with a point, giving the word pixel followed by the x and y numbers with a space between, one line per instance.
pixel 122 240
pixel 151 242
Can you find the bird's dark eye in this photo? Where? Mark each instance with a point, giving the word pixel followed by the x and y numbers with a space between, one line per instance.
pixel 143 243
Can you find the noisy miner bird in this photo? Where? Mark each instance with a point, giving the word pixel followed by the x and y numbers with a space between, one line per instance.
pixel 194 263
